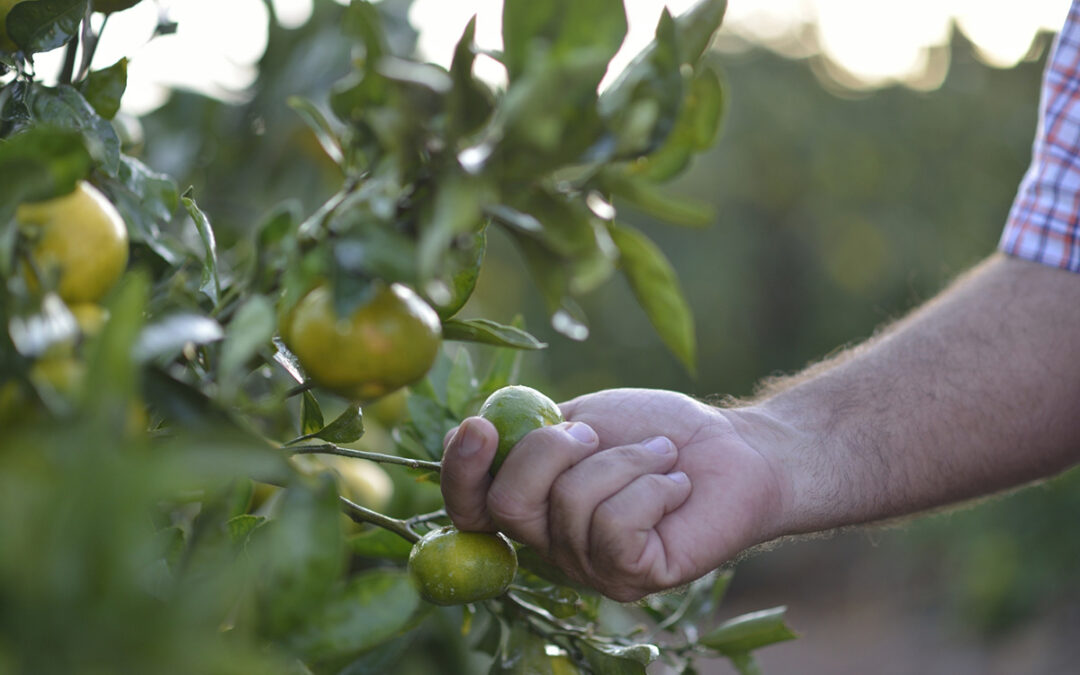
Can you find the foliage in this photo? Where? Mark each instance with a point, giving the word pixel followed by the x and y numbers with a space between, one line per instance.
pixel 153 511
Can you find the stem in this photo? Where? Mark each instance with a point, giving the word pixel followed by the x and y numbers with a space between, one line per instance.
pixel 362 514
pixel 331 449
pixel 68 69
pixel 300 388
pixel 423 518
pixel 745 664
pixel 90 42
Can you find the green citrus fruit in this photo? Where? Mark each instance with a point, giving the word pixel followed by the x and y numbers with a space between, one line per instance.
pixel 78 239
pixel 451 567
pixel 515 411
pixel 387 343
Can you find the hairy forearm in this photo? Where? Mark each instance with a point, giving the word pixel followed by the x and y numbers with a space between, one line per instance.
pixel 976 391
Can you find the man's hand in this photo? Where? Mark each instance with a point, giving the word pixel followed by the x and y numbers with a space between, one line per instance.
pixel 640 490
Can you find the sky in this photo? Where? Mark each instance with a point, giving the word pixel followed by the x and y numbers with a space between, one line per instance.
pixel 862 43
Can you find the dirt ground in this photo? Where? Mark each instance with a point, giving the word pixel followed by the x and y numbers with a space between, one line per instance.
pixel 861 607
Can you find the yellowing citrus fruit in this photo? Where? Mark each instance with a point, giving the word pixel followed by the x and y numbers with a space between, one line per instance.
pixel 79 239
pixel 515 411
pixel 387 343
pixel 450 567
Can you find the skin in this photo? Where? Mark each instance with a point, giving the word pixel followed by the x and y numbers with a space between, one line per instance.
pixel 970 394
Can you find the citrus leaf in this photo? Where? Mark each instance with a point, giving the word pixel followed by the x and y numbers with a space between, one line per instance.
pixel 250 329
pixel 345 428
pixel 211 284
pixel 461 385
pixel 561 26
pixel 657 289
pixel 379 544
pixel 749 632
pixel 320 126
pixel 65 107
pixel 607 659
pixel 489 332
pixel 166 337
pixel 309 555
pixel 647 198
pixel 373 608
pixel 43 25
pixel 39 164
pixel 311 417
pixel 104 88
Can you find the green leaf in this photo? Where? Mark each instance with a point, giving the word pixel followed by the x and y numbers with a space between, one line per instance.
pixel 521 652
pixel 373 607
pixel 40 163
pixel 379 544
pixel 489 332
pixel 469 103
pixel 166 337
pixel 748 632
pixel 461 385
pixel 504 365
pixel 308 555
pixel 241 527
pixel 430 421
pixel 649 199
pixel 346 427
pixel 694 131
pixel 145 199
pixel 657 289
pixel 43 25
pixel 65 107
pixel 104 88
pixel 211 284
pixel 696 27
pixel 560 26
pixel 327 136
pixel 607 659
pixel 250 329
pixel 456 210
pixel 311 417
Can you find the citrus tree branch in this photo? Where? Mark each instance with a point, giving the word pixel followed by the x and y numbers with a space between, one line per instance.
pixel 331 449
pixel 362 514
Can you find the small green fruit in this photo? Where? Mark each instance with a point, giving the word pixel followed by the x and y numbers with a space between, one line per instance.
pixel 515 411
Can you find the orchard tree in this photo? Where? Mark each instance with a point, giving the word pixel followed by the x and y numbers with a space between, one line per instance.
pixel 188 480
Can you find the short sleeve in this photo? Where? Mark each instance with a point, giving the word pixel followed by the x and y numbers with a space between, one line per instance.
pixel 1044 222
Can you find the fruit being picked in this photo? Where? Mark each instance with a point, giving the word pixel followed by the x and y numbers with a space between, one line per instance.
pixel 515 411
pixel 388 342
pixel 451 567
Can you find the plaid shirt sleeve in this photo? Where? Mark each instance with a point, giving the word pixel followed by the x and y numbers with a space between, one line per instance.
pixel 1044 223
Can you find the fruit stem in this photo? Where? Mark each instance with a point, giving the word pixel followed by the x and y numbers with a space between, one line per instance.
pixel 331 449
pixel 362 514
pixel 422 518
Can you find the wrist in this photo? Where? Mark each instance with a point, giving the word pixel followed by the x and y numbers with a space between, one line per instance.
pixel 789 450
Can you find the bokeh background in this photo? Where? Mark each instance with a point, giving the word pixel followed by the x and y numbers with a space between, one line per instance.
pixel 870 154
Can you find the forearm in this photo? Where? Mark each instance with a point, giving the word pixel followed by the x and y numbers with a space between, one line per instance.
pixel 976 391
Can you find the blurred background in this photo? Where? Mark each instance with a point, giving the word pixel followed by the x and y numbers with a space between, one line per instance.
pixel 870 154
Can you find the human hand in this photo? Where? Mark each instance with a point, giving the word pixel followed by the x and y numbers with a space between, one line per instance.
pixel 640 490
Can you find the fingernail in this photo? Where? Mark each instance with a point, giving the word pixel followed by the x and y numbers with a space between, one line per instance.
pixel 469 440
pixel 660 445
pixel 679 477
pixel 582 433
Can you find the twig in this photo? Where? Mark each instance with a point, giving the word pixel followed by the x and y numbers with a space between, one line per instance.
pixel 362 514
pixel 300 388
pixel 68 69
pixel 423 518
pixel 331 449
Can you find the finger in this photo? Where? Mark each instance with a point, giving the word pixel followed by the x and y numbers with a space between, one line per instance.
pixel 519 494
pixel 626 549
pixel 578 491
pixel 464 477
